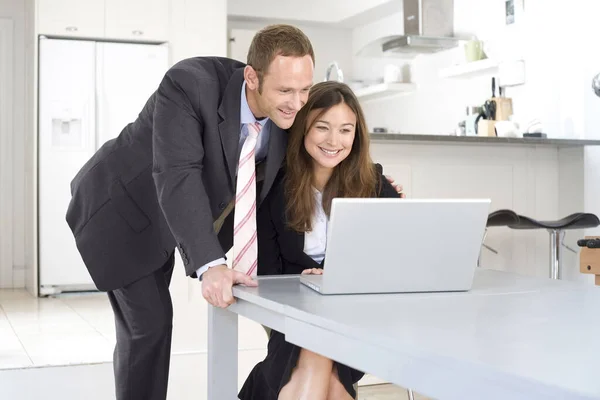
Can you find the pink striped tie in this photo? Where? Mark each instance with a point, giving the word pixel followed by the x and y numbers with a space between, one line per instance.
pixel 245 247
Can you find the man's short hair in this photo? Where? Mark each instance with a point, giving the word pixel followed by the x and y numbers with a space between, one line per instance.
pixel 277 40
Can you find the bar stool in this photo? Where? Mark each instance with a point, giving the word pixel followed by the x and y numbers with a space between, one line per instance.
pixel 557 232
pixel 502 217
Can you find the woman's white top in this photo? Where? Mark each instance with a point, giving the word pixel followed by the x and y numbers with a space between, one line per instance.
pixel 315 241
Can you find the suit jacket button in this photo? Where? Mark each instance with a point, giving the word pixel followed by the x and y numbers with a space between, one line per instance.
pixel 222 206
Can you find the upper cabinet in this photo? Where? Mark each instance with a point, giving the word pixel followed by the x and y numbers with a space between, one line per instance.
pixel 130 20
pixel 71 18
pixel 137 19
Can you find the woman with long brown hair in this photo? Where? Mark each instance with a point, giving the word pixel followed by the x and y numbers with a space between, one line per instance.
pixel 327 157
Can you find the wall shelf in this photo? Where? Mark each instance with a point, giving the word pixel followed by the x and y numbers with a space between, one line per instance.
pixel 383 90
pixel 469 70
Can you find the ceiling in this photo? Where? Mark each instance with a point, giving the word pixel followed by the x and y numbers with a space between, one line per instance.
pixel 341 13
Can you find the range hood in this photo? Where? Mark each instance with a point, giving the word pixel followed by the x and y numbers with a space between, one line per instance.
pixel 428 28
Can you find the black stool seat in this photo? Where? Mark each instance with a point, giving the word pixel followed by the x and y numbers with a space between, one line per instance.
pixel 502 218
pixel 573 221
pixel 555 228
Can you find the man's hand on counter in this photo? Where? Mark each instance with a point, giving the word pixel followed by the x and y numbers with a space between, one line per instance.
pixel 217 284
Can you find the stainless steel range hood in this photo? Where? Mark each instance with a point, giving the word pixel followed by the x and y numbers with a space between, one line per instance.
pixel 428 28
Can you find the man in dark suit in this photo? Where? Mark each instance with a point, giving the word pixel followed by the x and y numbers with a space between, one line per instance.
pixel 169 181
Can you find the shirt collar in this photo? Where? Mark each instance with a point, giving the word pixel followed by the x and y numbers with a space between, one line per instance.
pixel 246 116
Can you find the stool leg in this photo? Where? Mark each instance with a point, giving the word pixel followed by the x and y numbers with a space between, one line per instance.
pixel 555 253
pixel 486 246
pixel 481 248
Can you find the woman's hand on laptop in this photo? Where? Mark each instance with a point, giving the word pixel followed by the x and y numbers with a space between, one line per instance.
pixel 396 186
pixel 313 271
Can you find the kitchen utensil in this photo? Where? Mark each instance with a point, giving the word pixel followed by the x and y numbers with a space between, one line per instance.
pixel 471 119
pixel 460 129
pixel 489 109
pixel 503 109
pixel 533 126
pixel 596 84
pixel 481 116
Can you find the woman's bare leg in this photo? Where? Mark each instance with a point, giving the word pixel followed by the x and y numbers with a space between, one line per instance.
pixel 310 379
pixel 337 391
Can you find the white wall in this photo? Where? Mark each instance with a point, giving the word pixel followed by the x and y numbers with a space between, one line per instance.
pixel 197 28
pixel 20 225
pixel 329 44
pixel 31 64
pixel 586 46
pixel 6 151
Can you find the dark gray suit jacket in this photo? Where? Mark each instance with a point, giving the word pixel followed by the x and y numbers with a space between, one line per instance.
pixel 167 177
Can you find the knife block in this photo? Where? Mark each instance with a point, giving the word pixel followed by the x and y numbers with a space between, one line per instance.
pixel 486 127
pixel 589 261
pixel 504 108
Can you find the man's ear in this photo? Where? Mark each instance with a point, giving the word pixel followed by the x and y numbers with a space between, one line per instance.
pixel 251 78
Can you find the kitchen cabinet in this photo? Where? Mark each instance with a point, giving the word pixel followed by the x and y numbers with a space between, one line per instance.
pixel 144 20
pixel 75 18
pixel 129 20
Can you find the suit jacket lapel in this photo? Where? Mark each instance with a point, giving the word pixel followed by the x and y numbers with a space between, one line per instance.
pixel 275 155
pixel 229 127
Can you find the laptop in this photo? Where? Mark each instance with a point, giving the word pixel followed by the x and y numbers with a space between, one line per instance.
pixel 385 245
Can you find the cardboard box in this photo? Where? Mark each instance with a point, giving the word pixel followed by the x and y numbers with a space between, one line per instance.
pixel 589 261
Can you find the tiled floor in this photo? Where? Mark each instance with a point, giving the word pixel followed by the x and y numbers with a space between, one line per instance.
pixel 77 331
pixel 385 392
pixel 79 328
pixel 51 331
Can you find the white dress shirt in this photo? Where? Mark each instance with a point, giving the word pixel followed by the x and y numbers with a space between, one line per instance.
pixel 315 241
pixel 262 147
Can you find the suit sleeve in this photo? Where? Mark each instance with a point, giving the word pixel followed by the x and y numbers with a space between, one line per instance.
pixel 178 155
pixel 269 251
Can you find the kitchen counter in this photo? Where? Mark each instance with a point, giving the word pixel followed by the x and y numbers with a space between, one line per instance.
pixel 440 139
pixel 540 178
